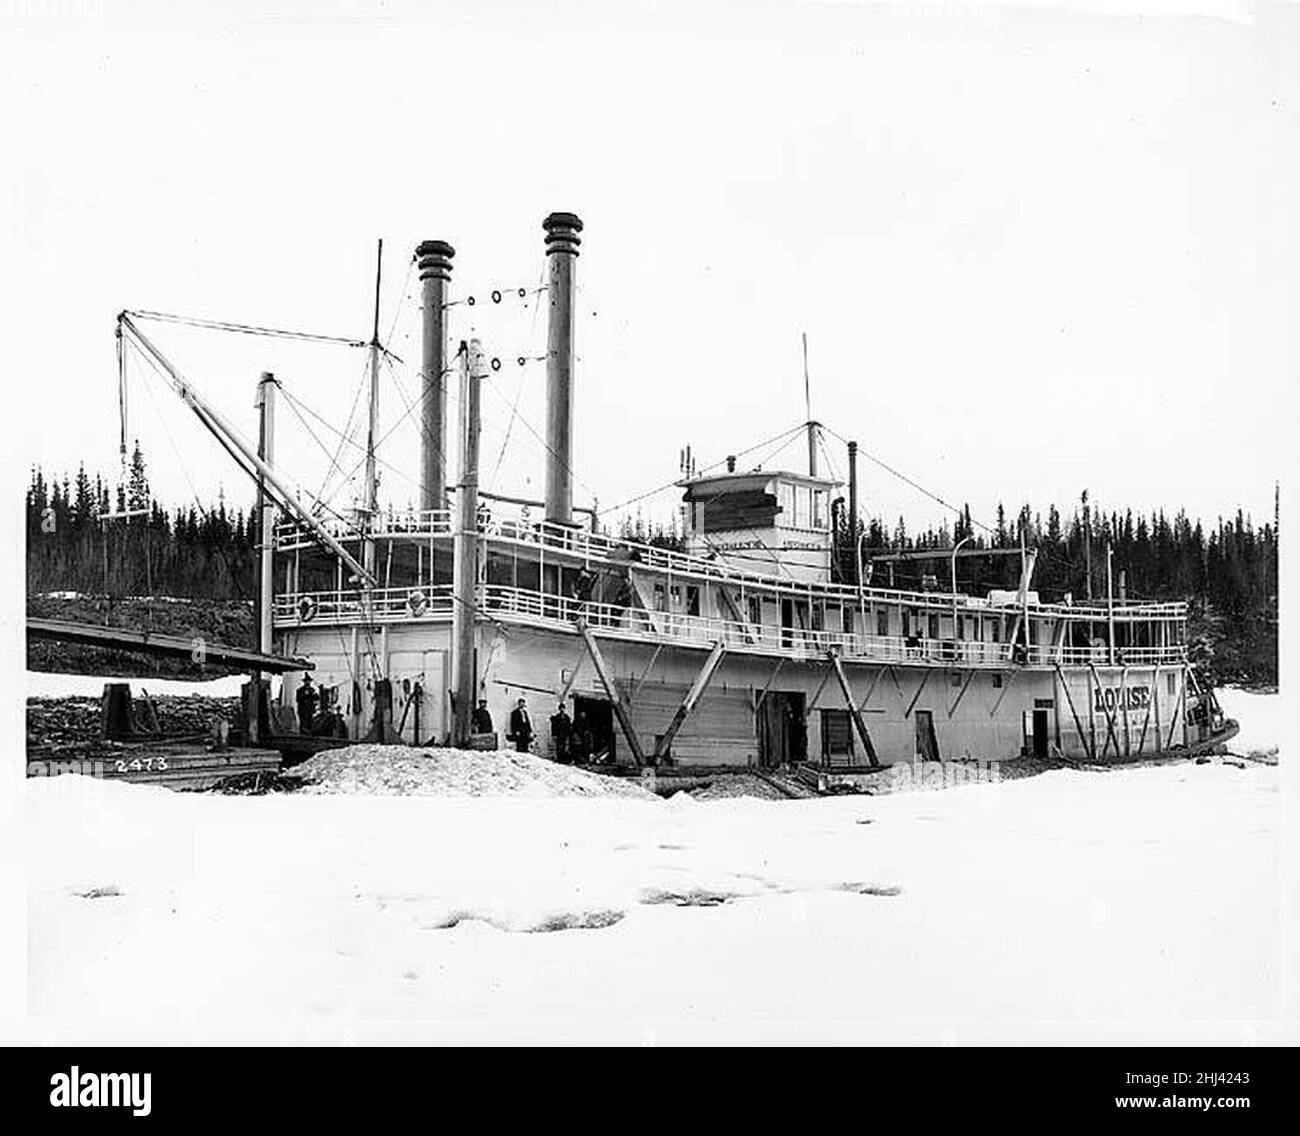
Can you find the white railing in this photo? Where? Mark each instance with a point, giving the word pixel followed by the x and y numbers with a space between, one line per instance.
pixel 589 547
pixel 522 605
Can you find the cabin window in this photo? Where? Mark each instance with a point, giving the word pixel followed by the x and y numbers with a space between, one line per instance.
pixel 675 595
pixel 934 626
pixel 995 628
pixel 801 506
pixel 692 599
pixel 755 609
pixel 820 520
pixel 882 623
pixel 785 498
pixel 817 617
pixel 846 620
pixel 997 679
pixel 1169 683
pixel 661 603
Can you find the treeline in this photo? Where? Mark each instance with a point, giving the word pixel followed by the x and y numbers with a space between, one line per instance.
pixel 1232 565
pixel 144 551
pixel 1228 571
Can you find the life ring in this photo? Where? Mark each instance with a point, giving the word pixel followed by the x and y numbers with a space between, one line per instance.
pixel 307 607
pixel 417 603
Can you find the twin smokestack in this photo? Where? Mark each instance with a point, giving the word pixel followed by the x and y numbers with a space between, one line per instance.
pixel 433 259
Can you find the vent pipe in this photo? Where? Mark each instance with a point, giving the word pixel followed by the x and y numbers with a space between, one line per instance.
pixel 562 242
pixel 433 259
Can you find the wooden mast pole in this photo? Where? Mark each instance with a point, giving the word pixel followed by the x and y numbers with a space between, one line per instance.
pixel 465 544
pixel 372 472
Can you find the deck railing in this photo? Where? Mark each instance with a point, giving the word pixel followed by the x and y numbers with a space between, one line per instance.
pixel 598 548
pixel 520 605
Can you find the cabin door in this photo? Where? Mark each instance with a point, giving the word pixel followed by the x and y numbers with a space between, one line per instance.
pixel 782 735
pixel 592 737
pixel 1040 731
pixel 927 745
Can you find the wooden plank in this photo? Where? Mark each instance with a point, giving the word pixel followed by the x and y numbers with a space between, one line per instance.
pixel 123 639
pixel 858 723
pixel 693 695
pixel 611 689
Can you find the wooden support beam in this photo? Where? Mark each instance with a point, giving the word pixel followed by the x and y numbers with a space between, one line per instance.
pixel 871 689
pixel 1089 744
pixel 926 672
pixel 710 668
pixel 858 723
pixel 1178 711
pixel 1142 739
pixel 768 686
pixel 898 686
pixel 1010 678
pixel 970 674
pixel 636 690
pixel 611 689
pixel 1123 704
pixel 1155 699
pixel 808 707
pixel 739 616
pixel 1112 733
pixel 573 677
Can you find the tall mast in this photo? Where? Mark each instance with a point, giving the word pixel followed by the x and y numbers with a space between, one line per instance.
pixel 372 475
pixel 807 401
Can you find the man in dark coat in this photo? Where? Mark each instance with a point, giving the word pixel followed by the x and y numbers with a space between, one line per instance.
pixel 306 705
pixel 521 727
pixel 480 720
pixel 561 728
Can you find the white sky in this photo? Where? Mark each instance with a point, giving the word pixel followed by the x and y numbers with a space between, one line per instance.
pixel 1034 249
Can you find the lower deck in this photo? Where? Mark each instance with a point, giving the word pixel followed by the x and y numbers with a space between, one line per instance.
pixel 753 711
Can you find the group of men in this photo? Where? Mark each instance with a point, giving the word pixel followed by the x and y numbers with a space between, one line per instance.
pixel 572 739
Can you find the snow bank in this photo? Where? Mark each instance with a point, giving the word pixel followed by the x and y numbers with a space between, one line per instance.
pixel 1071 906
pixel 1265 719
pixel 48 684
pixel 404 771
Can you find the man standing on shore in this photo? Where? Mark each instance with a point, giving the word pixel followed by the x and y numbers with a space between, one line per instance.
pixel 521 727
pixel 561 728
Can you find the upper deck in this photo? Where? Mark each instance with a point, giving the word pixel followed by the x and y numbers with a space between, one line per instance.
pixel 531 572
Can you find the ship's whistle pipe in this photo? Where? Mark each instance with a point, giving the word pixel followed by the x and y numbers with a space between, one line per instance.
pixel 562 242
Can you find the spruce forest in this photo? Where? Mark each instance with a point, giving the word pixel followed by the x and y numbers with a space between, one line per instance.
pixel 1227 570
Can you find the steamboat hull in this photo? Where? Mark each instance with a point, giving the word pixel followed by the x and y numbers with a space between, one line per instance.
pixel 759 709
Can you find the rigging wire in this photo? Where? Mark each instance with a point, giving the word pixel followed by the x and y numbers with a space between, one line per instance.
pixel 245 329
pixel 519 393
pixel 672 484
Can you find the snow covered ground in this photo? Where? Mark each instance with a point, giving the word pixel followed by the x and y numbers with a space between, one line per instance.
pixel 1136 904
pixel 47 684
pixel 1262 718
